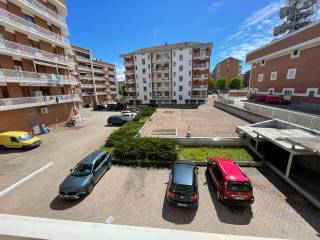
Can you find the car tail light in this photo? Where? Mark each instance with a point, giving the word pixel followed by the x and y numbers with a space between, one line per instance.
pixel 194 197
pixel 170 194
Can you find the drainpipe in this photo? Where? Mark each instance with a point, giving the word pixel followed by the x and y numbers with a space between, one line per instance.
pixel 94 80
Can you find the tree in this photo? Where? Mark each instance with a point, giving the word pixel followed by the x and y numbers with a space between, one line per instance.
pixel 211 85
pixel 221 83
pixel 122 88
pixel 235 83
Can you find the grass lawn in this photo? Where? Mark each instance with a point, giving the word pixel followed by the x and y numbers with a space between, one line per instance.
pixel 202 153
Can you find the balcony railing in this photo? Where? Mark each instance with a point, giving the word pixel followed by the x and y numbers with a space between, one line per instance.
pixel 25 25
pixel 83 59
pixel 200 87
pixel 162 88
pixel 100 86
pixel 82 68
pixel 131 63
pixel 201 55
pixel 34 78
pixel 199 96
pixel 86 78
pixel 162 79
pixel 26 51
pixel 163 59
pixel 202 65
pixel 131 90
pixel 99 78
pixel 40 8
pixel 25 102
pixel 158 69
pixel 87 85
pixel 128 72
pixel 161 97
pixel 200 77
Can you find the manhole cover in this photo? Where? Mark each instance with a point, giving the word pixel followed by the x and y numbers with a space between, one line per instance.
pixel 171 131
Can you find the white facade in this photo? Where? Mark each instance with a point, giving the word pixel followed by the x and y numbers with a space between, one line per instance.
pixel 168 74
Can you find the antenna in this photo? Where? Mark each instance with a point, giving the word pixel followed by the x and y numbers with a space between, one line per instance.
pixel 295 15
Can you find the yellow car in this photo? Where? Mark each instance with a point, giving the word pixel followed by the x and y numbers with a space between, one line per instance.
pixel 14 139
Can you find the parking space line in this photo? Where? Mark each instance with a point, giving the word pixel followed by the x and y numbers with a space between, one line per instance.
pixel 9 189
pixel 109 220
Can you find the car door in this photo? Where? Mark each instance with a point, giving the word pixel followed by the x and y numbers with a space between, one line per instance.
pixel 97 170
pixel 14 143
pixel 104 162
pixel 213 173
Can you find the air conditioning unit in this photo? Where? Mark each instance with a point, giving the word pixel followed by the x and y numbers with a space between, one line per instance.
pixel 44 111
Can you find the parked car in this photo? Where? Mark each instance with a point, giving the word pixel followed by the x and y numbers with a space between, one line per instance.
pixel 261 98
pixel 98 107
pixel 116 107
pixel 275 99
pixel 134 109
pixel 133 114
pixel 119 119
pixel 182 189
pixel 87 105
pixel 85 175
pixel 232 185
pixel 16 139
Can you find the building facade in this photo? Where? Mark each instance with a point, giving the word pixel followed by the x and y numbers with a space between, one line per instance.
pixel 245 79
pixel 97 78
pixel 36 82
pixel 228 68
pixel 289 66
pixel 168 74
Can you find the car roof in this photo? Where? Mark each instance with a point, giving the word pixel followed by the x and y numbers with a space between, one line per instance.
pixel 183 172
pixel 13 133
pixel 230 170
pixel 91 158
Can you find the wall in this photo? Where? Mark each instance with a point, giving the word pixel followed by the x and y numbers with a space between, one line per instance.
pixel 139 82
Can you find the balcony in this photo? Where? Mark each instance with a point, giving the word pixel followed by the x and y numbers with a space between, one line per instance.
pixel 99 78
pixel 86 69
pixel 12 48
pixel 83 59
pixel 131 90
pixel 129 64
pixel 101 93
pixel 203 96
pixel 201 55
pixel 201 66
pixel 200 87
pixel 100 86
pixel 86 78
pixel 200 77
pixel 34 78
pixel 130 81
pixel 161 69
pixel 129 72
pixel 113 92
pixel 164 79
pixel 98 70
pixel 13 21
pixel 160 60
pixel 160 89
pixel 87 86
pixel 161 97
pixel 35 6
pixel 26 102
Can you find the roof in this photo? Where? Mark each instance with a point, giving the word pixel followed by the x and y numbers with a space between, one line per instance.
pixel 231 170
pixel 167 47
pixel 312 143
pixel 92 157
pixel 13 133
pixel 183 172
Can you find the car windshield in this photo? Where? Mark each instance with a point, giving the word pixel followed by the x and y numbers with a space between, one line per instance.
pixel 81 170
pixel 24 137
pixel 239 186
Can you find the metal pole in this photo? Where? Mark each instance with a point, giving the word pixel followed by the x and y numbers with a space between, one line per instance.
pixel 94 80
pixel 290 160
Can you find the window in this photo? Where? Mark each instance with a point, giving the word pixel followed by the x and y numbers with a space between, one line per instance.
pixel 144 89
pixel 273 76
pixel 143 61
pixel 254 65
pixel 174 84
pixel 180 88
pixel 180 78
pixel 13 139
pixel 148 66
pixel 136 68
pixel 144 71
pixel 145 98
pixel 174 93
pixel 270 91
pixel 181 68
pixel 190 51
pixel 5 92
pixel 190 63
pixel 29 18
pixel 189 73
pixel 311 94
pixel 189 83
pixel 149 85
pixel 295 53
pixel 180 57
pixel 291 73
pixel 174 53
pixel 148 56
pixel 263 63
pixel 174 64
pixel 260 77
pixel 135 58
pixel 150 94
pixel 180 97
pixel 189 93
pixel 174 74
pixel 144 80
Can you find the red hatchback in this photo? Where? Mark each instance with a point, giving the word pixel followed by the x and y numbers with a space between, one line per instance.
pixel 232 184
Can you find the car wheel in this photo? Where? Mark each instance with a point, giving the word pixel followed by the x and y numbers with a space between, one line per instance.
pixel 2 147
pixel 90 188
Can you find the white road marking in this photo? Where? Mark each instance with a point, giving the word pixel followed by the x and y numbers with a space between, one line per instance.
pixel 9 189
pixel 109 220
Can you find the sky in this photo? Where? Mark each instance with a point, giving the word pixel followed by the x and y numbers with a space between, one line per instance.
pixel 110 28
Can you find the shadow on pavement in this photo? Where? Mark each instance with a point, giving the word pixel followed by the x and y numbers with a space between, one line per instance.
pixel 237 215
pixel 305 209
pixel 177 215
pixel 60 204
pixel 12 151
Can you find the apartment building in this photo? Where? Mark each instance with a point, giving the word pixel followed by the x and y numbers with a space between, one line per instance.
pixel 36 81
pixel 97 78
pixel 289 66
pixel 228 68
pixel 168 74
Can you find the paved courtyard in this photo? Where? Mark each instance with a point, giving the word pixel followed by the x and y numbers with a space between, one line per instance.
pixel 135 196
pixel 205 121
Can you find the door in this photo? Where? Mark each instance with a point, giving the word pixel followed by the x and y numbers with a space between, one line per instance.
pixel 14 143
pixel 97 170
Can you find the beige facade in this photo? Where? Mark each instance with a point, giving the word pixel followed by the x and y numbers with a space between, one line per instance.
pixel 36 81
pixel 289 66
pixel 97 78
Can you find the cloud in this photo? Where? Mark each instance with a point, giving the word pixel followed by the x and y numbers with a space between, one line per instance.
pixel 214 6
pixel 255 31
pixel 120 71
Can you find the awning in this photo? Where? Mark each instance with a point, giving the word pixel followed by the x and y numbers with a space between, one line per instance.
pixel 311 143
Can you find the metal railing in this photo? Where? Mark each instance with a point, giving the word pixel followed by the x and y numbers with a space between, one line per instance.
pixel 26 25
pixel 161 97
pixel 163 59
pixel 200 77
pixel 81 68
pixel 202 65
pixel 34 78
pixel 162 79
pixel 100 79
pixel 15 103
pixel 157 69
pixel 161 88
pixel 37 6
pixel 204 87
pixel 87 85
pixel 97 70
pixel 129 63
pixel 23 50
pixel 86 78
pixel 202 55
pixel 129 72
pixel 83 59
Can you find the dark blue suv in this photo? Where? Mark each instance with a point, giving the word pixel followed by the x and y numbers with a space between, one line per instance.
pixel 182 190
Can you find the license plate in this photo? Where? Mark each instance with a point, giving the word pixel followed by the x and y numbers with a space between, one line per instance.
pixel 239 197
pixel 182 205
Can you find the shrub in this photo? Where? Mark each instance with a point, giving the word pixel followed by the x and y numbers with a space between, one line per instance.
pixel 145 149
pixel 235 83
